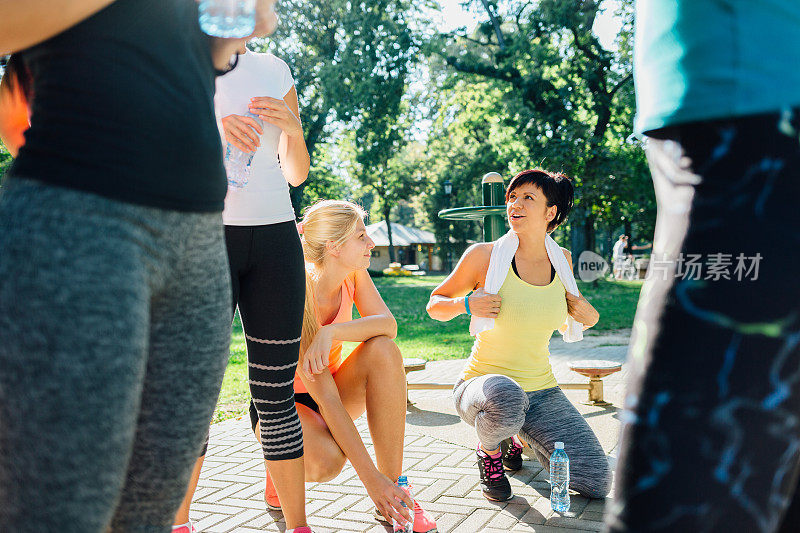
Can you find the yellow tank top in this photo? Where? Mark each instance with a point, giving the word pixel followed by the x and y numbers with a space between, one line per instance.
pixel 519 344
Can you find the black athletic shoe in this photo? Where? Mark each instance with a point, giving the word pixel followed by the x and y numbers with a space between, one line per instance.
pixel 512 454
pixel 494 482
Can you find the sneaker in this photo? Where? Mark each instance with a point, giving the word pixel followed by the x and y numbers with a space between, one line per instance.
pixel 271 497
pixel 304 529
pixel 494 482
pixel 512 454
pixel 185 528
pixel 423 522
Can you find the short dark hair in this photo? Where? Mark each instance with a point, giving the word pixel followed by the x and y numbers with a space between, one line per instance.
pixel 557 188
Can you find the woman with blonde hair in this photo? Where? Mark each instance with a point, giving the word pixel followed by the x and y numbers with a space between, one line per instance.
pixel 334 389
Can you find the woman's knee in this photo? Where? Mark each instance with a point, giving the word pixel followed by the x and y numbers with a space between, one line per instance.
pixel 384 352
pixel 595 481
pixel 501 394
pixel 496 401
pixel 324 466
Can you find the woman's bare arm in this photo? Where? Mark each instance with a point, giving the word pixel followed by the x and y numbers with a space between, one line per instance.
pixel 447 300
pixel 13 115
pixel 295 160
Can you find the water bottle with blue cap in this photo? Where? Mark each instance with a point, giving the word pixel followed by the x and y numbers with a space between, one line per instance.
pixel 228 19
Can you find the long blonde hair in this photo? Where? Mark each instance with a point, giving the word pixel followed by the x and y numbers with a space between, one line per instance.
pixel 326 221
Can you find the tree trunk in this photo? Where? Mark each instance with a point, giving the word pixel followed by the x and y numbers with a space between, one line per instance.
pixel 588 228
pixel 386 212
pixel 312 138
pixel 577 235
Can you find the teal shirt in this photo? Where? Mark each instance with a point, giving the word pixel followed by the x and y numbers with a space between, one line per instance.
pixel 708 59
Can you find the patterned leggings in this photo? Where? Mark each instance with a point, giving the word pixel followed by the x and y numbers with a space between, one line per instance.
pixel 268 280
pixel 711 441
pixel 498 408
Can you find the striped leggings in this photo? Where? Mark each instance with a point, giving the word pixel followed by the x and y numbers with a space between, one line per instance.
pixel 268 282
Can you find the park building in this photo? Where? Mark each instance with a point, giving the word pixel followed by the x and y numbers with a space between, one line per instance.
pixel 412 246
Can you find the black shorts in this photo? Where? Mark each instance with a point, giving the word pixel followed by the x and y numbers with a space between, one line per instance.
pixel 299 397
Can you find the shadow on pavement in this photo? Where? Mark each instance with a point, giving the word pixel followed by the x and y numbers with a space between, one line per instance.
pixel 420 417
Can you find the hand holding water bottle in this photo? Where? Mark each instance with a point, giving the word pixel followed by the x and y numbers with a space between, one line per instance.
pixel 404 526
pixel 238 162
pixel 276 112
pixel 243 132
pixel 393 502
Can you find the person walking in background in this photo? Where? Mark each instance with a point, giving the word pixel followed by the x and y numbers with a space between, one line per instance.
pixel 266 260
pixel 507 388
pixel 114 284
pixel 712 438
pixel 618 255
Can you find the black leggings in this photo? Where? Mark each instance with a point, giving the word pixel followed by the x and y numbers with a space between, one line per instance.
pixel 712 439
pixel 268 280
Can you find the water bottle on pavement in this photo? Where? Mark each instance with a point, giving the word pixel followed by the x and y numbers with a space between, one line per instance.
pixel 238 163
pixel 408 527
pixel 559 479
pixel 230 19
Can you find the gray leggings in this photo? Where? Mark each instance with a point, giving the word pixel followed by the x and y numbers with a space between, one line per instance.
pixel 498 408
pixel 114 333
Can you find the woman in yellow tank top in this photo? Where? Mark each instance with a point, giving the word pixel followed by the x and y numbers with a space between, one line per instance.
pixel 507 387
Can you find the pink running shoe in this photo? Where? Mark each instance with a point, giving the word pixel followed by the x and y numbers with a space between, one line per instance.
pixel 304 529
pixel 186 528
pixel 271 496
pixel 423 522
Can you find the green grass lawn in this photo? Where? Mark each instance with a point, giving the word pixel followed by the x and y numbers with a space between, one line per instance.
pixel 420 336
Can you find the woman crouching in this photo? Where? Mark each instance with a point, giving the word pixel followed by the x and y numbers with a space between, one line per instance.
pixel 334 389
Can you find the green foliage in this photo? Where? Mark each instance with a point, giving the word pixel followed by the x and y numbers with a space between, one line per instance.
pixel 532 86
pixel 350 61
pixel 5 161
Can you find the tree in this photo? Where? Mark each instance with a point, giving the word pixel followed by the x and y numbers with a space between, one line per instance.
pixel 566 96
pixel 345 55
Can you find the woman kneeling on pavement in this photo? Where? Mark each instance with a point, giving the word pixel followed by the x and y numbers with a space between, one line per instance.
pixel 507 390
pixel 334 389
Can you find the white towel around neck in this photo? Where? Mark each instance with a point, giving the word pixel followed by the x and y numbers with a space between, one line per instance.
pixel 500 261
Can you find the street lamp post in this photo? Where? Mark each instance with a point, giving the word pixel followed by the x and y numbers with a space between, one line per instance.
pixel 448 192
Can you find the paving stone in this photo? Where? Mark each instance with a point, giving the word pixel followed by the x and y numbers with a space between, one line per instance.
pixel 444 476
pixel 474 521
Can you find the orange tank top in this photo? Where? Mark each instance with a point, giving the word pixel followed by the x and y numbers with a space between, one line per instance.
pixel 345 314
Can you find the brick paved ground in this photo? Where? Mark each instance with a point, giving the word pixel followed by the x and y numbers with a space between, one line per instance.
pixel 439 460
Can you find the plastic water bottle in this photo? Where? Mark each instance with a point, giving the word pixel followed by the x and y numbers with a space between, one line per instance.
pixel 238 163
pixel 230 19
pixel 408 527
pixel 559 479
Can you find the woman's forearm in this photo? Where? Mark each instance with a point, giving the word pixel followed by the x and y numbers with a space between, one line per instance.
pixel 24 24
pixel 295 160
pixel 364 328
pixel 443 308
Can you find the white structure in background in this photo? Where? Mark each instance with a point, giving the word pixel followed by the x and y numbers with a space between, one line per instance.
pixel 412 246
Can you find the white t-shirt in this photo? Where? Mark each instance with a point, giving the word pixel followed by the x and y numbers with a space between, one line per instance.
pixel 265 199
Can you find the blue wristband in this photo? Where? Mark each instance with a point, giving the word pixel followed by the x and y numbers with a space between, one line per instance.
pixel 466 303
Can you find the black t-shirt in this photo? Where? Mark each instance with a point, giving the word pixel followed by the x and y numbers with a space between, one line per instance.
pixel 123 107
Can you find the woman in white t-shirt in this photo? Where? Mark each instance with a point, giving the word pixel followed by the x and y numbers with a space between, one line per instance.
pixel 267 266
